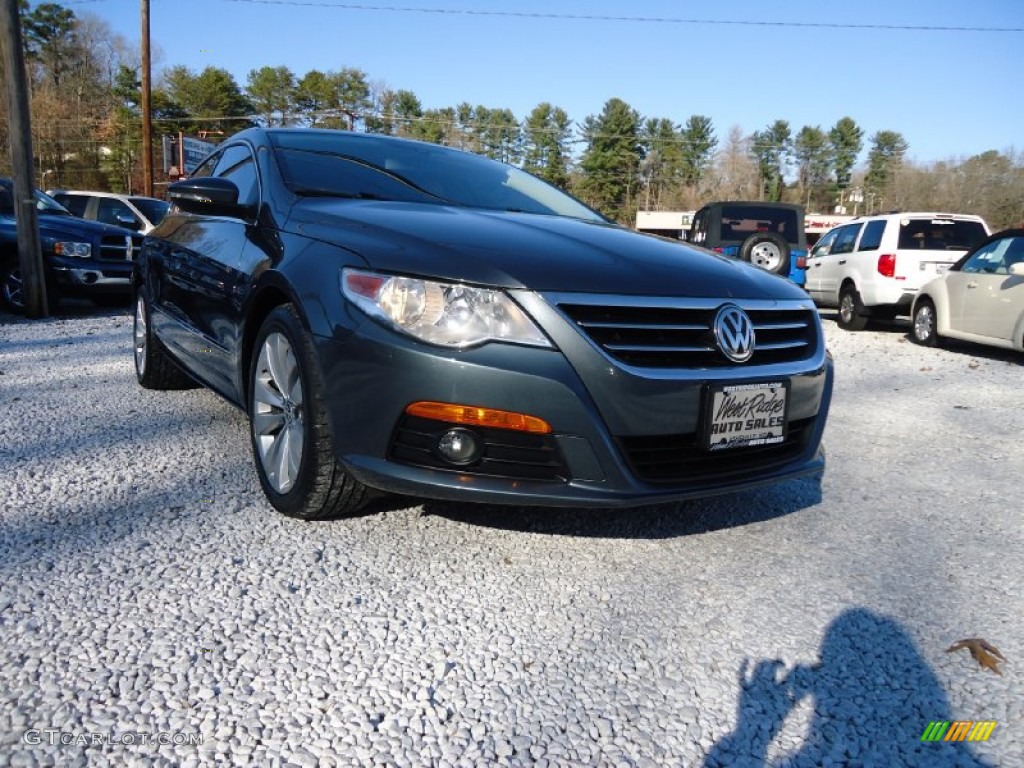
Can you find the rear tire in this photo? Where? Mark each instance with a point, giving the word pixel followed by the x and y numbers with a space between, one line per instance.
pixel 154 368
pixel 851 315
pixel 291 437
pixel 925 324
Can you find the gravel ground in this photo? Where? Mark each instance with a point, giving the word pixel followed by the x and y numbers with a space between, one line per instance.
pixel 149 593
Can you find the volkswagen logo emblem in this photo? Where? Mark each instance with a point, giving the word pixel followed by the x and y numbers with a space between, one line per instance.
pixel 734 333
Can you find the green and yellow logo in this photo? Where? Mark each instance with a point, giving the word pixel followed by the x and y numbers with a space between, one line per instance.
pixel 959 730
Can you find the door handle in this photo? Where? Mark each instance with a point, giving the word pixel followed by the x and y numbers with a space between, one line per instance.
pixel 972 284
pixel 842 261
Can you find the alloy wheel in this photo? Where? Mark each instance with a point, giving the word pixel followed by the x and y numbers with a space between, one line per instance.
pixel 278 416
pixel 140 336
pixel 846 308
pixel 924 322
pixel 14 289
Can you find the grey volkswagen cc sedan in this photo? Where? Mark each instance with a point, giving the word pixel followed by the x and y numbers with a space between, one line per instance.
pixel 403 317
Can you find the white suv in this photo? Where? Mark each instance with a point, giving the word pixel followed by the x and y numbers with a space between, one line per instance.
pixel 875 265
pixel 129 211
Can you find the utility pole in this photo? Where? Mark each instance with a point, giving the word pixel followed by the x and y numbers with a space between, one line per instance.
pixel 33 279
pixel 147 117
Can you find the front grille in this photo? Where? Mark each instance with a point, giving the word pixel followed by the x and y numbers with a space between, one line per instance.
pixel 678 458
pixel 683 337
pixel 120 247
pixel 506 453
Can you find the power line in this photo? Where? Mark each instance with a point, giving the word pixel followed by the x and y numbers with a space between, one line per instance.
pixel 633 19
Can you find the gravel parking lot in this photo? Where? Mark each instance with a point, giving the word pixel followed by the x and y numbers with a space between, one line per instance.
pixel 156 610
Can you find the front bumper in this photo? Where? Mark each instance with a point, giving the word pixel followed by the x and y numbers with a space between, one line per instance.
pixel 87 276
pixel 599 411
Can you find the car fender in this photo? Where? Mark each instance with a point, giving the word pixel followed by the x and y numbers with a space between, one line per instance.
pixel 938 292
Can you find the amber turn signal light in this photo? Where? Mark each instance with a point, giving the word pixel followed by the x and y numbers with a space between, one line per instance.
pixel 478 417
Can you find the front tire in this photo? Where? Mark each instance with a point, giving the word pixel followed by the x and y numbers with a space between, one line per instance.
pixel 925 324
pixel 12 288
pixel 851 315
pixel 292 443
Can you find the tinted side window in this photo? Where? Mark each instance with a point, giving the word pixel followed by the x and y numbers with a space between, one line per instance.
pixel 74 203
pixel 996 258
pixel 699 228
pixel 110 209
pixel 872 238
pixel 824 246
pixel 236 163
pixel 845 238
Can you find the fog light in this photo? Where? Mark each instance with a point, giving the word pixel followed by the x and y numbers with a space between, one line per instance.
pixel 459 446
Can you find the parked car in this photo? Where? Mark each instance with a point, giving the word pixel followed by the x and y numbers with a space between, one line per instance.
pixel 980 298
pixel 874 266
pixel 768 235
pixel 80 258
pixel 135 212
pixel 407 317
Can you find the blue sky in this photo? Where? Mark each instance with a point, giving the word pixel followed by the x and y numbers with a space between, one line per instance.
pixel 951 93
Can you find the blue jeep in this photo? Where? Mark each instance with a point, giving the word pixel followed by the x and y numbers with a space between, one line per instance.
pixel 768 235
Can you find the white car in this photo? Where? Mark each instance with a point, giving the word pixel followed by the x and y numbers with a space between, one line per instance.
pixel 874 266
pixel 980 298
pixel 135 212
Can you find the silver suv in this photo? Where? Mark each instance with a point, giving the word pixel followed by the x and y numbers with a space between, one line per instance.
pixel 135 212
pixel 875 265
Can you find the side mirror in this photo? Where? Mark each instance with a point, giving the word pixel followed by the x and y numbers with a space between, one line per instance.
pixel 1017 269
pixel 209 196
pixel 128 221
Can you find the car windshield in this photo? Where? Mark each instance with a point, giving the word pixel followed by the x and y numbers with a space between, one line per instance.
pixel 370 168
pixel 44 203
pixel 940 234
pixel 152 209
pixel 741 221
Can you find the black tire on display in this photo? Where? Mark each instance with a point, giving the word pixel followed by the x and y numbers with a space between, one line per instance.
pixel 851 315
pixel 768 251
pixel 291 437
pixel 925 323
pixel 154 368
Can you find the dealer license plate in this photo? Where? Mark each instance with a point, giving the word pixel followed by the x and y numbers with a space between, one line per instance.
pixel 745 415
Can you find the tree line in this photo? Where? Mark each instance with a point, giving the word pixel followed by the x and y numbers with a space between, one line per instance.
pixel 85 97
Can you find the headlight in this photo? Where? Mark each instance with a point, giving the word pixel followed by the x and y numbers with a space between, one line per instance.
pixel 447 314
pixel 68 248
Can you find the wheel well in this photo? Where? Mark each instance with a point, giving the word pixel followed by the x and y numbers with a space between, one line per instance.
pixel 265 303
pixel 847 282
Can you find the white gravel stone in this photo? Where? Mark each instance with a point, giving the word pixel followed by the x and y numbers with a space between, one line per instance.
pixel 149 587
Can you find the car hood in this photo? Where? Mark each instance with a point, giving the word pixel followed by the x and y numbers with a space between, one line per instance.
pixel 517 250
pixel 59 225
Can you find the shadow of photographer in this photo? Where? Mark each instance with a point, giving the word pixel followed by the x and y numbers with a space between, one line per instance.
pixel 872 695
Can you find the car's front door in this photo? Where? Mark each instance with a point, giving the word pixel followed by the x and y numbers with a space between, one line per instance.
pixel 985 299
pixel 201 258
pixel 814 264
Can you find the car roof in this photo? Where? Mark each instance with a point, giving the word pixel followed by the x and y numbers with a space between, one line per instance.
pixel 124 195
